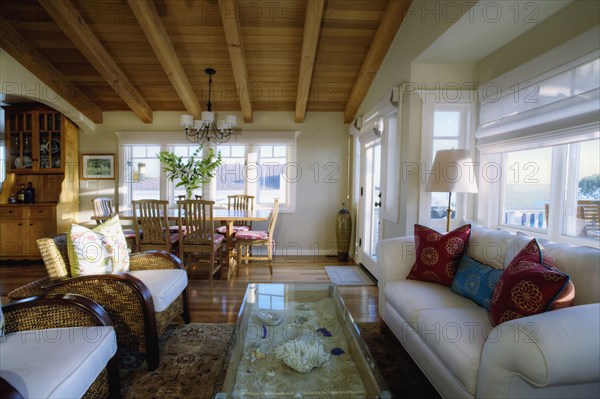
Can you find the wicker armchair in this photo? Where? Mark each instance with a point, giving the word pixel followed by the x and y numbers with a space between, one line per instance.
pixel 58 311
pixel 127 299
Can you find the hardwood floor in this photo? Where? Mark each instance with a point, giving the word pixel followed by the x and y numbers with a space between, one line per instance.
pixel 221 301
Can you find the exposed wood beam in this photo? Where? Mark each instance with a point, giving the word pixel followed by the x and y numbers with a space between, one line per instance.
pixel 231 26
pixel 27 55
pixel 312 27
pixel 151 24
pixel 78 31
pixel 390 23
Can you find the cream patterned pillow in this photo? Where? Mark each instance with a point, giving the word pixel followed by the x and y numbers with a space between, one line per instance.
pixel 100 250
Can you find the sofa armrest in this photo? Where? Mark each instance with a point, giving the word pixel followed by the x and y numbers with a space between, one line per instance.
pixel 395 258
pixel 154 260
pixel 555 348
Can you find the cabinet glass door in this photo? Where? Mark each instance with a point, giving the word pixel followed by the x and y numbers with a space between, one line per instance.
pixel 49 141
pixel 21 141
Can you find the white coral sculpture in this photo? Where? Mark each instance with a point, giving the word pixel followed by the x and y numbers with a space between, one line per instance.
pixel 301 356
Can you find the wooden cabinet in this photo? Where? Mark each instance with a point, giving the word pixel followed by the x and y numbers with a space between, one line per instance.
pixel 21 226
pixel 42 148
pixel 35 141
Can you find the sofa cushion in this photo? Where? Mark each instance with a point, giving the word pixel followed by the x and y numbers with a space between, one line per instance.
pixel 528 285
pixel 457 337
pixel 102 249
pixel 475 281
pixel 437 255
pixel 409 297
pixel 58 362
pixel 164 285
pixel 489 246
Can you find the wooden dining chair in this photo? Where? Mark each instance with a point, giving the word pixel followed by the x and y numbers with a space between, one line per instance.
pixel 103 210
pixel 151 216
pixel 197 238
pixel 257 238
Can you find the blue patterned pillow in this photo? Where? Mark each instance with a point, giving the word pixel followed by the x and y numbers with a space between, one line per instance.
pixel 475 281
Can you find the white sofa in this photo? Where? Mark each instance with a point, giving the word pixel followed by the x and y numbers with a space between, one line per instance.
pixel 452 339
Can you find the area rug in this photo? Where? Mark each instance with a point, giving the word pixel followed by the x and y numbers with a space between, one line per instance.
pixel 348 275
pixel 191 357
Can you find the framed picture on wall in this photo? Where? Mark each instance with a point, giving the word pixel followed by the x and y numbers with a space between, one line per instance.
pixel 97 167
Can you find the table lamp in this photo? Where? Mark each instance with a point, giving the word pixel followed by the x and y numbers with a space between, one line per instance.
pixel 452 172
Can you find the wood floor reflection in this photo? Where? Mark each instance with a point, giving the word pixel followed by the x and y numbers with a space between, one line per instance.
pixel 221 301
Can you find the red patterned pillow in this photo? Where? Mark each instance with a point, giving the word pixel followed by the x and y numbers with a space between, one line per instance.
pixel 529 285
pixel 438 254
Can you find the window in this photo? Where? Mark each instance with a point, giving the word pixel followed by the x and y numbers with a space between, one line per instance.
pixel 230 175
pixel 446 125
pixel 141 173
pixel 260 170
pixel 553 191
pixel 527 177
pixel 2 160
pixel 272 164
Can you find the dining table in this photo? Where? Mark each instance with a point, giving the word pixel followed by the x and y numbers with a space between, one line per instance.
pixel 227 216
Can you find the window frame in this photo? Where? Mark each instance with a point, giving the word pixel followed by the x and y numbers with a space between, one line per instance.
pixel 463 101
pixel 129 139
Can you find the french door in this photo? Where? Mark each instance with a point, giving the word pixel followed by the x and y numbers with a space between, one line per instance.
pixel 369 204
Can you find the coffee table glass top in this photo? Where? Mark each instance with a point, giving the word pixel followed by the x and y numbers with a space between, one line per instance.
pixel 298 341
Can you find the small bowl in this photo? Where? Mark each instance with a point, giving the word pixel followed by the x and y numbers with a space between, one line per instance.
pixel 269 318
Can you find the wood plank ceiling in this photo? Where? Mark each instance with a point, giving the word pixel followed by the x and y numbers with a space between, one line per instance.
pixel 145 56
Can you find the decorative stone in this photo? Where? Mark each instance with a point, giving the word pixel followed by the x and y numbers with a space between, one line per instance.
pixel 324 331
pixel 301 356
pixel 337 351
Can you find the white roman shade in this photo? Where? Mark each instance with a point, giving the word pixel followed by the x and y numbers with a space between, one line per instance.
pixel 553 99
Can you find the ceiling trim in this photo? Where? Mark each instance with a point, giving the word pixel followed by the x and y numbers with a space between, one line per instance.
pixel 27 55
pixel 78 31
pixel 312 26
pixel 157 36
pixel 231 26
pixel 390 23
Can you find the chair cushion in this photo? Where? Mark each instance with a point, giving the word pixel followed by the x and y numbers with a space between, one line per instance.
pixel 102 249
pixel 437 255
pixel 410 297
pixel 528 285
pixel 164 285
pixel 58 362
pixel 223 229
pixel 475 281
pixel 252 235
pixel 457 336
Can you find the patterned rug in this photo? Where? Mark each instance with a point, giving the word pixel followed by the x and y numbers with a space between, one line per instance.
pixel 191 357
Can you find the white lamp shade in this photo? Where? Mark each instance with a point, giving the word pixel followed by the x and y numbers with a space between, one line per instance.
pixel 187 120
pixel 230 120
pixel 452 172
pixel 220 124
pixel 208 116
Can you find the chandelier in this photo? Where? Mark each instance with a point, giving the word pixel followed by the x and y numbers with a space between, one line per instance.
pixel 205 129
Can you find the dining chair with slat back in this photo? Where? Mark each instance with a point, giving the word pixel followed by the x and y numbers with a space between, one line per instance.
pixel 258 238
pixel 151 216
pixel 199 241
pixel 238 202
pixel 103 210
pixel 102 207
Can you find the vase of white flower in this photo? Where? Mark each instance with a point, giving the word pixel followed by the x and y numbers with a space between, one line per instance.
pixel 193 172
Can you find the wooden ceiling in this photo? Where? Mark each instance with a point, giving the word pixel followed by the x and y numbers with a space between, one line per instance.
pixel 145 56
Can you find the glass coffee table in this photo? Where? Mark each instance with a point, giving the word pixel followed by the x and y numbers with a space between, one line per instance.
pixel 297 341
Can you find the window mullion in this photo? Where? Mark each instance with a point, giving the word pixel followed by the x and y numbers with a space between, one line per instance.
pixel 558 185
